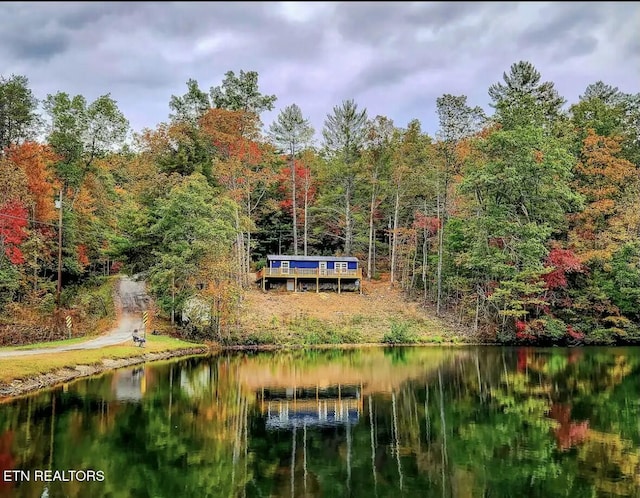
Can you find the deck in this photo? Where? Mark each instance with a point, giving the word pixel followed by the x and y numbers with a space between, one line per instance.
pixel 308 274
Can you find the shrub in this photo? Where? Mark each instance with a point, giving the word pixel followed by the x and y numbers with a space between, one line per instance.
pixel 399 334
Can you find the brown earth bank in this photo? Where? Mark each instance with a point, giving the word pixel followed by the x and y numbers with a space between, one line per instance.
pixel 19 387
pixel 310 318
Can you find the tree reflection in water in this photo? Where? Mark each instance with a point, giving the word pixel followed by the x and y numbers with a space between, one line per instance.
pixel 441 422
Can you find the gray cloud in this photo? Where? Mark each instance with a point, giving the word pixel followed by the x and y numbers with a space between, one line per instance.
pixel 393 58
pixel 556 23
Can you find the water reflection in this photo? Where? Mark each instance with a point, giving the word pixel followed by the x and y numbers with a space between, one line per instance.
pixel 439 422
pixel 299 406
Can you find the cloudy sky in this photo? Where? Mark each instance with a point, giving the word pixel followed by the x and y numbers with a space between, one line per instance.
pixel 392 58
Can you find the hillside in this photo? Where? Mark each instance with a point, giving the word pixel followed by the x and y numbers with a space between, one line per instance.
pixel 310 317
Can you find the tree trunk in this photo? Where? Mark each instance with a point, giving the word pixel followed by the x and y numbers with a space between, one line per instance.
pixel 173 297
pixel 371 209
pixel 239 249
pixel 306 215
pixel 294 202
pixel 425 262
pixel 394 240
pixel 475 323
pixel 440 247
pixel 348 229
pixel 247 266
pixel 414 264
pixel 370 255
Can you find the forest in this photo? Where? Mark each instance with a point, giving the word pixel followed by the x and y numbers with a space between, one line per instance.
pixel 523 224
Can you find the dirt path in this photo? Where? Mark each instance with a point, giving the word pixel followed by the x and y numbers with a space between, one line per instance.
pixel 133 301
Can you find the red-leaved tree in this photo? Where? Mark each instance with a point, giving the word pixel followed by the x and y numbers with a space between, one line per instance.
pixel 13 221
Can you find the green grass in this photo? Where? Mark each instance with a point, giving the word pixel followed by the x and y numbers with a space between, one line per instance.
pixel 49 344
pixel 21 367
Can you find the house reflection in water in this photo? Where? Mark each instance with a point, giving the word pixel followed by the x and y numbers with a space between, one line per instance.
pixel 286 408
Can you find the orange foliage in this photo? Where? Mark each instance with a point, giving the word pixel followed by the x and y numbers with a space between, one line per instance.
pixel 605 180
pixel 84 204
pixel 234 133
pixel 37 161
pixel 83 259
pixel 304 186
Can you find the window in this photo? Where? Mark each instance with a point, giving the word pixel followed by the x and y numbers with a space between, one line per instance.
pixel 285 267
pixel 341 267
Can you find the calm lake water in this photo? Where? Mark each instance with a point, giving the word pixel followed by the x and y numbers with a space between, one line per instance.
pixel 432 422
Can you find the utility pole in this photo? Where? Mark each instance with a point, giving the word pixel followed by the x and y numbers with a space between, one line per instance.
pixel 59 206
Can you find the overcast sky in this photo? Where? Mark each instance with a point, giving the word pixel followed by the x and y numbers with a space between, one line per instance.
pixel 392 58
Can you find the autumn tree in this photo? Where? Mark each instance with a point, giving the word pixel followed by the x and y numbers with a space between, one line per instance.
pixel 344 136
pixel 241 93
pixel 609 112
pixel 245 167
pixel 80 134
pixel 14 218
pixel 290 131
pixel 457 122
pixel 180 145
pixel 377 158
pixel 13 232
pixel 409 164
pixel 191 225
pixel 606 180
pixel 520 196
pixel 307 174
pixel 37 162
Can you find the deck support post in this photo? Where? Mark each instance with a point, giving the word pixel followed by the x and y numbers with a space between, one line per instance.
pixel 338 284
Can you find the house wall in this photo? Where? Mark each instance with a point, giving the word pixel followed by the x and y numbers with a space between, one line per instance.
pixel 351 265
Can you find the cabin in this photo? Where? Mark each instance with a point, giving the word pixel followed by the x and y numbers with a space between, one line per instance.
pixel 310 273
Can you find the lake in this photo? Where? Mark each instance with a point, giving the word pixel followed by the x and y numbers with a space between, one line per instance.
pixel 371 422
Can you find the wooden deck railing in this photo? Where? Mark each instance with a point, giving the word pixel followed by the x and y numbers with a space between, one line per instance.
pixel 308 273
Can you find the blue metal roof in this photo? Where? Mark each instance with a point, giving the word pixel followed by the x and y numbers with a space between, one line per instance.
pixel 275 257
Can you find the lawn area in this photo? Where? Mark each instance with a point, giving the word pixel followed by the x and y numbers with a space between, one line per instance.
pixel 21 367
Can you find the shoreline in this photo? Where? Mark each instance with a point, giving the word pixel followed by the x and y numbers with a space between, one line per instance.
pixel 20 387
pixel 30 384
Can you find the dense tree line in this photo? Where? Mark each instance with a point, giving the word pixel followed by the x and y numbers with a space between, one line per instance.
pixel 524 225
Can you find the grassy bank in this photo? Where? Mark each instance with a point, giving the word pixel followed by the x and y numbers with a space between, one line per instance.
pixel 310 331
pixel 380 315
pixel 20 374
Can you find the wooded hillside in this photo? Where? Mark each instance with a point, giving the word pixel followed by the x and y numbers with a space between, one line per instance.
pixel 525 223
